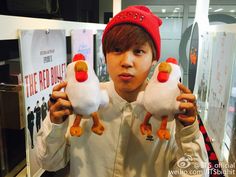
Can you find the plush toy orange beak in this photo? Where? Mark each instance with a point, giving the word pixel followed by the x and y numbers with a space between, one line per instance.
pixel 81 71
pixel 164 72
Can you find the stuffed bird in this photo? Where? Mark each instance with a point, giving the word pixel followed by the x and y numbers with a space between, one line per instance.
pixel 84 93
pixel 159 97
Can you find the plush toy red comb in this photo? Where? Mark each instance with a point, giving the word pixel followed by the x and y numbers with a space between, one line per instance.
pixel 81 68
pixel 172 60
pixel 78 56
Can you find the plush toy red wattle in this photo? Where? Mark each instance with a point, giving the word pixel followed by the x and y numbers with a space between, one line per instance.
pixel 84 93
pixel 159 97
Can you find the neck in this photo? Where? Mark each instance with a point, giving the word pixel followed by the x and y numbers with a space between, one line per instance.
pixel 131 96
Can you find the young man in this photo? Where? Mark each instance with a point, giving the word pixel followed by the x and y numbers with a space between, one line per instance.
pixel 131 44
pixel 30 121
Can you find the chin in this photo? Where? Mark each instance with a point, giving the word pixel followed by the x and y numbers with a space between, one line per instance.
pixel 127 87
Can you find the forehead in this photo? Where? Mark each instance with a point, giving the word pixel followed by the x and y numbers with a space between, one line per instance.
pixel 145 45
pixel 127 36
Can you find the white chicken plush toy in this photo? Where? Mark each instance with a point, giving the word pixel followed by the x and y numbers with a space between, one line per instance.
pixel 159 97
pixel 85 95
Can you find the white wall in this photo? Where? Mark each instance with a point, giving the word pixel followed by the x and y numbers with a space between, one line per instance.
pixel 11 24
pixel 170 34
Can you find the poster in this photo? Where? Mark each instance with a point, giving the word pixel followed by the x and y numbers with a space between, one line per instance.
pixel 43 64
pixel 230 137
pixel 203 73
pixel 82 42
pixel 221 70
pixel 100 64
pixel 193 57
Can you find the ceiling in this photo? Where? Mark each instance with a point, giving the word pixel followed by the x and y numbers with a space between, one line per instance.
pixel 176 11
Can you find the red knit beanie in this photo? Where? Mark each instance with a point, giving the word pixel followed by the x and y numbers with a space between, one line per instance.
pixel 140 16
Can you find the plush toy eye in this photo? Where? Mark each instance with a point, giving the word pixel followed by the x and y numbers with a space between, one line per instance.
pixel 180 80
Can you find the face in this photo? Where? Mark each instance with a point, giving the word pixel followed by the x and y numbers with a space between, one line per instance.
pixel 129 69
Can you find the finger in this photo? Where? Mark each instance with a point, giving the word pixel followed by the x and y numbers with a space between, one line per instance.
pixel 185 119
pixel 49 104
pixel 60 116
pixel 183 88
pixel 188 97
pixel 52 100
pixel 189 109
pixel 61 104
pixel 59 94
pixel 59 86
pixel 188 106
pixel 62 113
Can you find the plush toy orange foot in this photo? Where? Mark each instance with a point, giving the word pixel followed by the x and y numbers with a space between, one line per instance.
pixel 98 129
pixel 76 131
pixel 163 134
pixel 146 129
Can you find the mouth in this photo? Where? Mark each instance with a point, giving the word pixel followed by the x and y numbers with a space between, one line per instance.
pixel 126 76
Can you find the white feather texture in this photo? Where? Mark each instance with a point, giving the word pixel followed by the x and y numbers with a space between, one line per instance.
pixel 86 97
pixel 160 98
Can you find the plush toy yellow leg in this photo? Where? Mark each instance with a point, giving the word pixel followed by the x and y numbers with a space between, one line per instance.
pixel 76 130
pixel 97 127
pixel 146 127
pixel 163 133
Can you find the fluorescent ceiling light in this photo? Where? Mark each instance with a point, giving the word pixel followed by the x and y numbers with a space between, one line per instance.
pixel 163 10
pixel 210 8
pixel 218 10
pixel 175 11
pixel 232 11
pixel 177 8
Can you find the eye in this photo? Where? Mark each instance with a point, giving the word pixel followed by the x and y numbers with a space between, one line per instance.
pixel 180 80
pixel 117 50
pixel 138 51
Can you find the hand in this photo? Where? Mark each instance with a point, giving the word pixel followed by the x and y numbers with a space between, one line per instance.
pixel 59 105
pixel 188 104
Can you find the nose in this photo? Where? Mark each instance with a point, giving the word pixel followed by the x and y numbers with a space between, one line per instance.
pixel 127 59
